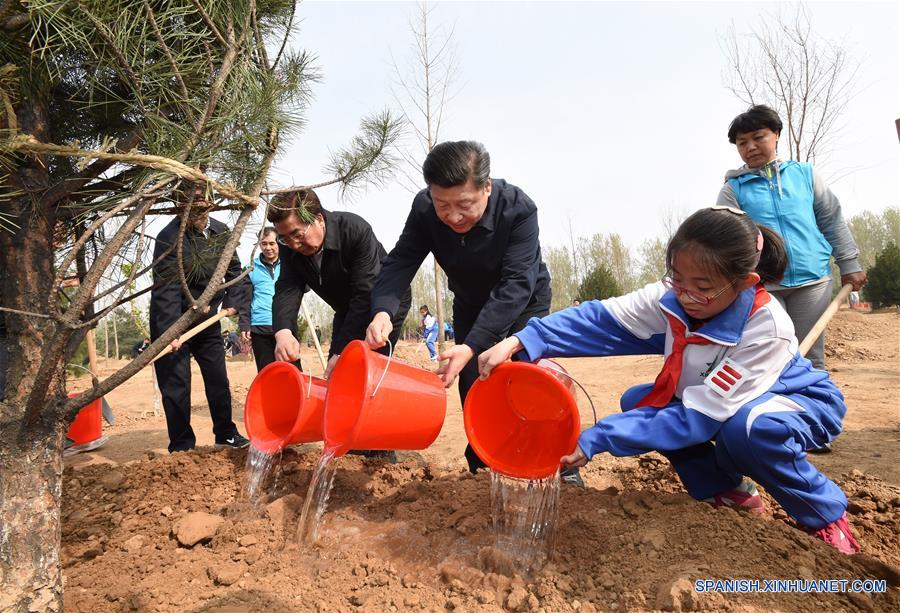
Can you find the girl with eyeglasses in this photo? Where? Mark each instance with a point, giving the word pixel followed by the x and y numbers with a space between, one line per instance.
pixel 734 400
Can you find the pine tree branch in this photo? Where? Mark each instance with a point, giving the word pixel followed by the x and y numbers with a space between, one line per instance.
pixel 69 186
pixel 27 143
pixel 151 18
pixel 209 23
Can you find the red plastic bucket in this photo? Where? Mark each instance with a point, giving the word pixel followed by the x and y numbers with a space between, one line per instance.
pixel 284 407
pixel 87 426
pixel 522 419
pixel 374 404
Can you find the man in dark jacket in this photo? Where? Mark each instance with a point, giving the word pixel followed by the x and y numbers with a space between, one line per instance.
pixel 202 243
pixel 484 234
pixel 336 255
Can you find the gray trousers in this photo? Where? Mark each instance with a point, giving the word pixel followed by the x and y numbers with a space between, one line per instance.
pixel 805 305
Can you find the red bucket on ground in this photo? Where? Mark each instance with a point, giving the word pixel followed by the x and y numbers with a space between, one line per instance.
pixel 284 407
pixel 87 426
pixel 522 419
pixel 373 404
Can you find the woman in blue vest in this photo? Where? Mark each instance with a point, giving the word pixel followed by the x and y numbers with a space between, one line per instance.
pixel 792 199
pixel 266 268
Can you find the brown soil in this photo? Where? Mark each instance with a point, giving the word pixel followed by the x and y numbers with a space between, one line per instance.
pixel 417 535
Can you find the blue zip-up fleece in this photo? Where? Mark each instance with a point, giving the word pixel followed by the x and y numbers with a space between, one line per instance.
pixel 263 279
pixel 790 198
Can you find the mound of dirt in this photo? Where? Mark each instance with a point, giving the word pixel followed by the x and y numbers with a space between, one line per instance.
pixel 174 533
pixel 854 335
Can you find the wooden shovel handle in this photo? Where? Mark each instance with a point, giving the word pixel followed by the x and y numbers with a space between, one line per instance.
pixel 817 329
pixel 192 332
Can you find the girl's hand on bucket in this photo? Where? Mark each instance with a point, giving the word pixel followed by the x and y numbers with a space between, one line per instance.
pixel 576 459
pixel 496 355
pixel 454 359
pixel 379 330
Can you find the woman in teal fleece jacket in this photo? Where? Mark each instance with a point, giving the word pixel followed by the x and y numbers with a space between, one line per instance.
pixel 792 199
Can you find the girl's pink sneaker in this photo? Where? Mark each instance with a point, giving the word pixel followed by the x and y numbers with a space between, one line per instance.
pixel 837 534
pixel 744 497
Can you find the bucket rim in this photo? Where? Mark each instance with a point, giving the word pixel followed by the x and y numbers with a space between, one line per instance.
pixel 273 444
pixel 504 371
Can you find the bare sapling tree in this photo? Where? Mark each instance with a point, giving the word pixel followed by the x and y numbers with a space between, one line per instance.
pixel 806 78
pixel 563 283
pixel 111 111
pixel 607 251
pixel 426 89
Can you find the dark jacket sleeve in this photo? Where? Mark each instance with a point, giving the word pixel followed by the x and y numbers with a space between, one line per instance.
pixel 363 265
pixel 166 298
pixel 238 295
pixel 289 289
pixel 399 268
pixel 518 277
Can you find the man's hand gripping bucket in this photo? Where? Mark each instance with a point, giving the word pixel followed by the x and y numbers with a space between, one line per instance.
pixel 523 418
pixel 378 403
pixel 284 407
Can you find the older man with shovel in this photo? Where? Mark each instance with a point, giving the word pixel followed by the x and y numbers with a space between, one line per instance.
pixel 202 243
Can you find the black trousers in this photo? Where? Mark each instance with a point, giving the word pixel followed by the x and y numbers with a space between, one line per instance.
pixel 263 349
pixel 173 373
pixel 463 320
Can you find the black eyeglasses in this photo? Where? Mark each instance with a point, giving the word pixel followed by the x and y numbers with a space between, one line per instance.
pixel 294 237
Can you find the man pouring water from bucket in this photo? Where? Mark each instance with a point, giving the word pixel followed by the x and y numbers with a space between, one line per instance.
pixel 484 234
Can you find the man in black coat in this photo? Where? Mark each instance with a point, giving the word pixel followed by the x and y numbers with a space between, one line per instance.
pixel 336 255
pixel 484 234
pixel 202 244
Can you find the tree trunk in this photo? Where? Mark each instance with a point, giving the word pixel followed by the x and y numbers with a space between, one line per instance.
pixel 30 494
pixel 31 429
pixel 115 337
pixel 31 426
pixel 92 352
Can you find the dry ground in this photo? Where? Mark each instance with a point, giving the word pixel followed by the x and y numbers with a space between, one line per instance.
pixel 417 535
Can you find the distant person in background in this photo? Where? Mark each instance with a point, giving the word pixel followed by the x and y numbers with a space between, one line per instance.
pixel 429 331
pixel 266 268
pixel 232 343
pixel 139 347
pixel 792 199
pixel 448 331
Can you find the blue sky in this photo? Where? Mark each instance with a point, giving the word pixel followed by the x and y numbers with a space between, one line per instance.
pixel 608 114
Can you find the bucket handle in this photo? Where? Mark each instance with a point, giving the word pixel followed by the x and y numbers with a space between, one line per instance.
pixel 308 374
pixel 390 355
pixel 575 381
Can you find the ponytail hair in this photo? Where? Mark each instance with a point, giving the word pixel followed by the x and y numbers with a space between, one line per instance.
pixel 773 258
pixel 727 242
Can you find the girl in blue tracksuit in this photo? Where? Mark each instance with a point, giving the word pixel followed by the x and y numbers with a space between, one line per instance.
pixel 429 331
pixel 734 398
